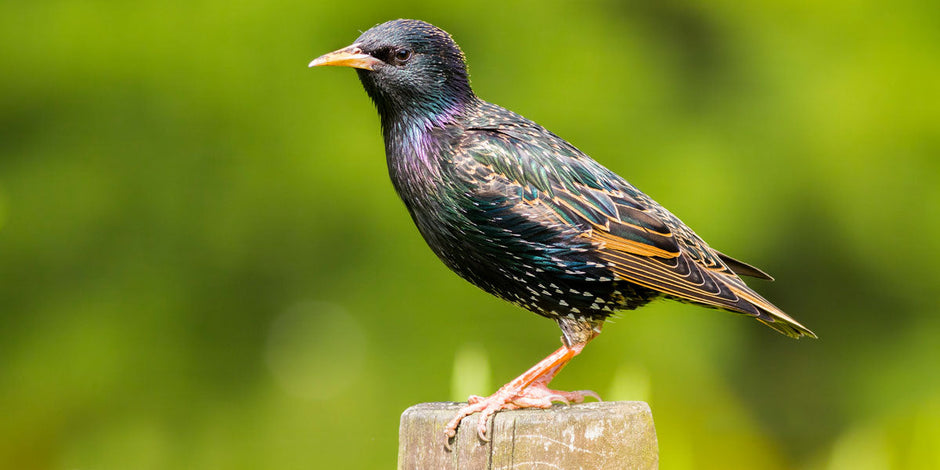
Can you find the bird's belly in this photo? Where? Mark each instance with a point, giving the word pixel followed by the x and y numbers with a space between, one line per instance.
pixel 553 279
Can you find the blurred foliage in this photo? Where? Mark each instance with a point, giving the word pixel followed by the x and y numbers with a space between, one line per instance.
pixel 203 264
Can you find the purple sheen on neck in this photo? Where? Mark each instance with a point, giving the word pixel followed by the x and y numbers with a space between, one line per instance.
pixel 415 137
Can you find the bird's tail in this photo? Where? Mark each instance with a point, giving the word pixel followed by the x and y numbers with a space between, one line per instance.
pixel 768 314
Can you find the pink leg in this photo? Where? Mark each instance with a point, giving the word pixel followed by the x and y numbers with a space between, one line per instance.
pixel 529 390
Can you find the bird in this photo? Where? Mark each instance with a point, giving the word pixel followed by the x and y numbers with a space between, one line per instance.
pixel 524 215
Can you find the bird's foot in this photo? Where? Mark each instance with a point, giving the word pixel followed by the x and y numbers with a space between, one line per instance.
pixel 536 395
pixel 529 390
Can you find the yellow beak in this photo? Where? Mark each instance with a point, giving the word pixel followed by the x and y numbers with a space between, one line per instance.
pixel 351 56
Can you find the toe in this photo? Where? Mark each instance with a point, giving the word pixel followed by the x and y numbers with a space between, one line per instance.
pixel 588 393
pixel 482 425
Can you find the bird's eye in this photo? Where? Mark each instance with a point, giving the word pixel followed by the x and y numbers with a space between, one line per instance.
pixel 402 55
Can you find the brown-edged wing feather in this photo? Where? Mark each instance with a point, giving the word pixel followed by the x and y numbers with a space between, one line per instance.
pixel 639 240
pixel 675 261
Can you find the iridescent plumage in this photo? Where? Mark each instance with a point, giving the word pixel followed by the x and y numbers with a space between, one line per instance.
pixel 523 214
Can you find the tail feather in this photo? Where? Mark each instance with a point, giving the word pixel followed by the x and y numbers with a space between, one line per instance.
pixel 743 269
pixel 768 314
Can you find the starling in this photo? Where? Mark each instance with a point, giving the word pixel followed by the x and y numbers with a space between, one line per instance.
pixel 524 215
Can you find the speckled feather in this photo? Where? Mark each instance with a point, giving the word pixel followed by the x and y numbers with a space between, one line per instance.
pixel 526 216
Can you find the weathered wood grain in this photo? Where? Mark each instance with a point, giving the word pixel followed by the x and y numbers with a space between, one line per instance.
pixel 597 435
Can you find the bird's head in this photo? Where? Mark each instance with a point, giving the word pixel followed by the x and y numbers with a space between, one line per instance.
pixel 411 69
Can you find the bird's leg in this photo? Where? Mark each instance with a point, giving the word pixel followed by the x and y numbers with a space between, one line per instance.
pixel 538 395
pixel 529 390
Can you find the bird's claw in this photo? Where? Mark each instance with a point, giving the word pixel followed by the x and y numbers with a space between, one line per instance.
pixel 536 395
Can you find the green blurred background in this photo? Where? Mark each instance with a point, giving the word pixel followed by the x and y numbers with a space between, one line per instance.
pixel 204 265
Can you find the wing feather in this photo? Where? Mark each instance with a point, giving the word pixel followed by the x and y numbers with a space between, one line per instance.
pixel 639 240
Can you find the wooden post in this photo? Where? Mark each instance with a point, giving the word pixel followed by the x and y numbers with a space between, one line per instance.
pixel 596 435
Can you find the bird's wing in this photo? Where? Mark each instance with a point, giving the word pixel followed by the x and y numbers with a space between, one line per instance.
pixel 639 240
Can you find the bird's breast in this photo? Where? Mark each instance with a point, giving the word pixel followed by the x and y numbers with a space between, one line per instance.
pixel 492 238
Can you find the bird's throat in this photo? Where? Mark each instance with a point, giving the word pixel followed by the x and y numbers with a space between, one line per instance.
pixel 413 141
pixel 410 150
